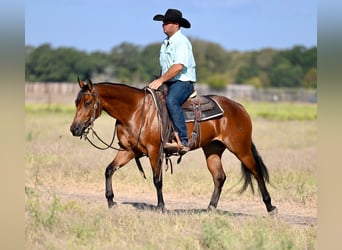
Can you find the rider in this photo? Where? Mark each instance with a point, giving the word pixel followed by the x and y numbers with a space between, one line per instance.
pixel 178 72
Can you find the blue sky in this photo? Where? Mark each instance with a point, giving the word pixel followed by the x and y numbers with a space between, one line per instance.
pixel 242 25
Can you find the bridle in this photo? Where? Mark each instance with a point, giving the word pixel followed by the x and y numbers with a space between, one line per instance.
pixel 94 134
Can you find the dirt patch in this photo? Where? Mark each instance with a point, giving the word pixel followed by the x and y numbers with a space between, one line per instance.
pixel 292 213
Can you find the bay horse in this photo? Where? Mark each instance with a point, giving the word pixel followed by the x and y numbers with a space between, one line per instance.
pixel 138 134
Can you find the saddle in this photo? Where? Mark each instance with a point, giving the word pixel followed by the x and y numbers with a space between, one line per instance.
pixel 196 109
pixel 206 105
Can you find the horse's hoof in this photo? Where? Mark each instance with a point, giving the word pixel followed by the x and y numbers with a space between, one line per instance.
pixel 273 212
pixel 211 208
pixel 161 210
pixel 112 204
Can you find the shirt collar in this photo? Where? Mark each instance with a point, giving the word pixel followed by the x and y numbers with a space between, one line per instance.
pixel 172 38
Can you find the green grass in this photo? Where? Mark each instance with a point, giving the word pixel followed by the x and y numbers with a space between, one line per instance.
pixel 282 111
pixel 49 108
pixel 69 224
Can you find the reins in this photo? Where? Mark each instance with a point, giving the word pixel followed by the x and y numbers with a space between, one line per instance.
pixel 90 128
pixel 107 146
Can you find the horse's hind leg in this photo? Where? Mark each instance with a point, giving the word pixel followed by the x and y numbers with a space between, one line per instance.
pixel 213 153
pixel 158 184
pixel 253 164
pixel 157 178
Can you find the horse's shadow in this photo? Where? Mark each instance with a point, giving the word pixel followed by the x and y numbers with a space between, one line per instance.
pixel 150 207
pixel 292 219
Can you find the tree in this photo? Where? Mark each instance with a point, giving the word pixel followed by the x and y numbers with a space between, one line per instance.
pixel 216 81
pixel 128 63
pixel 57 65
pixel 149 66
pixel 286 75
pixel 310 79
pixel 247 72
pixel 211 59
pixel 124 59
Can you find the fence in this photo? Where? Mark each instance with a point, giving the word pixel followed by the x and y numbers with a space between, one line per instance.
pixel 66 93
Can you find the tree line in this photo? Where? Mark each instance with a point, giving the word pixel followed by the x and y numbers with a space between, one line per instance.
pixel 217 67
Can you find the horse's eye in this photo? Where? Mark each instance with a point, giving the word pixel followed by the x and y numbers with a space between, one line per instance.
pixel 87 103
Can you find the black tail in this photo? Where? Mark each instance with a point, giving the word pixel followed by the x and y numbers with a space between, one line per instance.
pixel 260 167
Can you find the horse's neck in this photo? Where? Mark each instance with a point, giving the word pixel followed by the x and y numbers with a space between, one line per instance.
pixel 119 101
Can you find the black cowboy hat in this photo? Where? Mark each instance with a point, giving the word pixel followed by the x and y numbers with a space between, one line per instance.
pixel 173 15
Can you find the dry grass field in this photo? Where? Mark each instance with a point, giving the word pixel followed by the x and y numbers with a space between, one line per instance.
pixel 65 207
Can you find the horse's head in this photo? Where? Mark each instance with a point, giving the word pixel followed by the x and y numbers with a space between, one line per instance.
pixel 87 108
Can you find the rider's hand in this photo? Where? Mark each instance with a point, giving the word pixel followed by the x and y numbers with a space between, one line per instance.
pixel 155 84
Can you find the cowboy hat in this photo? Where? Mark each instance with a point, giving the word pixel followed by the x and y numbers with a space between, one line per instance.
pixel 173 15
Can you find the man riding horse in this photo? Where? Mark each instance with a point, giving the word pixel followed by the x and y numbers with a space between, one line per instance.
pixel 177 72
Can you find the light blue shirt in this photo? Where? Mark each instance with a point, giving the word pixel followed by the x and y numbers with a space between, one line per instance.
pixel 178 50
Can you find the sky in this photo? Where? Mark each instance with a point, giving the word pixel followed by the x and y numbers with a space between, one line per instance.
pixel 242 25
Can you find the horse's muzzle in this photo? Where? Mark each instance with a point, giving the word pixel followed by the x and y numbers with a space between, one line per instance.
pixel 77 129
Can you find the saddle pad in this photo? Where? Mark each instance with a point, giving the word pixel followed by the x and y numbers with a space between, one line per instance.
pixel 209 109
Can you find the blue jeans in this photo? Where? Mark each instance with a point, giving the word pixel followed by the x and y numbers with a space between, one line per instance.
pixel 178 93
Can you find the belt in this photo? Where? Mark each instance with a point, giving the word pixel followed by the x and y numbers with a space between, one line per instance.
pixel 172 82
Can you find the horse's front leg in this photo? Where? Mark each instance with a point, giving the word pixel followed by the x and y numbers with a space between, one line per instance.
pixel 109 189
pixel 120 160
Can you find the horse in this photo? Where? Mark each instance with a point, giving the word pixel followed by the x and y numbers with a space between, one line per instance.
pixel 138 132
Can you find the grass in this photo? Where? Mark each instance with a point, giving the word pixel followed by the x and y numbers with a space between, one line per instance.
pixel 66 209
pixel 49 108
pixel 282 111
pixel 70 224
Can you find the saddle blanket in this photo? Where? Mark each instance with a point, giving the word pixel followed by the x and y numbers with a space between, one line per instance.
pixel 209 108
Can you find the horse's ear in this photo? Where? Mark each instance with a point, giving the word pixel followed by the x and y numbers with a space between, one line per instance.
pixel 90 84
pixel 80 82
